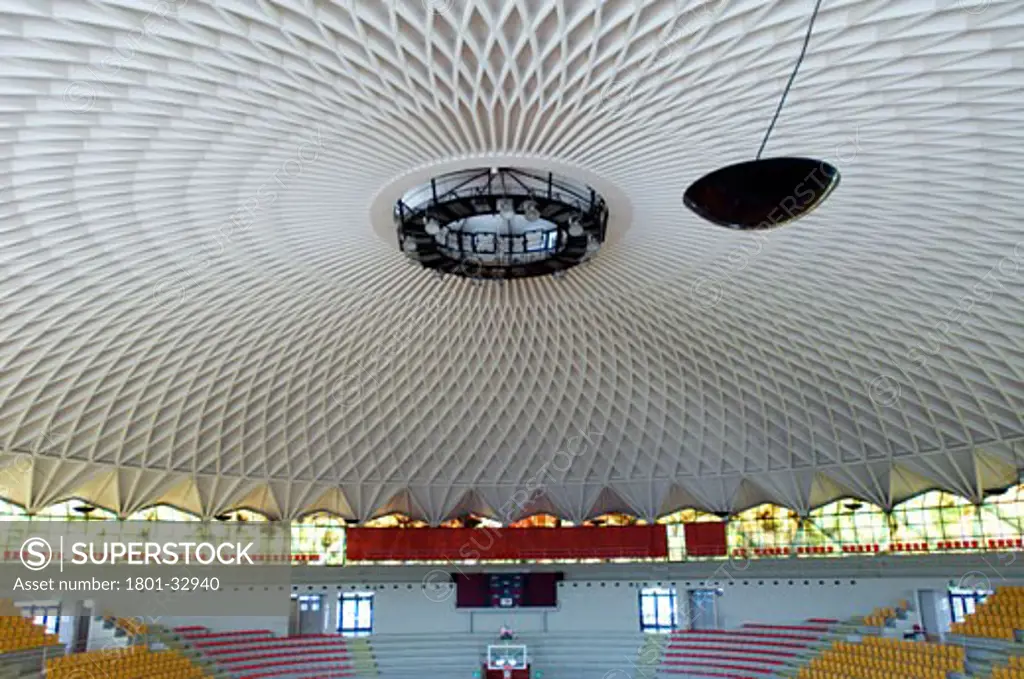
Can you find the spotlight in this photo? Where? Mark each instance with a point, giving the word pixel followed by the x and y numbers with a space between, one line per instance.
pixel 530 211
pixel 507 208
pixel 432 227
pixel 575 228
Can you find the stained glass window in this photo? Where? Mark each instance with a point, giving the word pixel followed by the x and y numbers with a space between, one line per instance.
pixel 612 519
pixel 12 512
pixel 322 534
pixel 675 527
pixel 242 516
pixel 471 521
pixel 1002 514
pixel 847 521
pixel 395 520
pixel 766 525
pixel 74 510
pixel 163 513
pixel 933 516
pixel 539 521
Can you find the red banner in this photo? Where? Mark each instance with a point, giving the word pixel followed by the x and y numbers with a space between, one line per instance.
pixel 705 538
pixel 483 544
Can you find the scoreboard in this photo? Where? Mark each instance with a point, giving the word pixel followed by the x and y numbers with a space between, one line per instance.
pixel 506 590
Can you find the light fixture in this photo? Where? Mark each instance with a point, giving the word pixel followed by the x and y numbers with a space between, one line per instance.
pixel 530 211
pixel 517 223
pixel 575 228
pixel 769 192
pixel 506 207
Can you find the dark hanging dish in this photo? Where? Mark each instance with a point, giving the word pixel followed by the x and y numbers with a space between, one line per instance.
pixel 761 194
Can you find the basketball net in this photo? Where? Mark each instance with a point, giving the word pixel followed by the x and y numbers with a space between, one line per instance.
pixel 506 673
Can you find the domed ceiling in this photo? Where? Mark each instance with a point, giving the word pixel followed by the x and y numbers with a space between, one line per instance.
pixel 204 302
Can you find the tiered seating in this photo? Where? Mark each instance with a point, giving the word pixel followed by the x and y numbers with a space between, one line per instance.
pixel 751 651
pixel 134 662
pixel 879 616
pixel 997 617
pixel 18 633
pixel 885 658
pixel 1015 670
pixel 258 654
pixel 130 626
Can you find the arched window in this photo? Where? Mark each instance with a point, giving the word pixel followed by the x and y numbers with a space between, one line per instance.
pixel 935 515
pixel 540 521
pixel 163 513
pixel 471 521
pixel 687 516
pixel 766 525
pixel 242 516
pixel 395 520
pixel 321 534
pixel 847 521
pixel 1002 514
pixel 74 510
pixel 12 512
pixel 612 519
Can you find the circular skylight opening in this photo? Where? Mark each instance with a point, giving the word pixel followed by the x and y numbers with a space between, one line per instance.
pixel 501 223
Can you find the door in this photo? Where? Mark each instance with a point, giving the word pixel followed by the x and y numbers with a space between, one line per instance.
pixel 311 615
pixel 935 613
pixel 703 609
pixel 81 641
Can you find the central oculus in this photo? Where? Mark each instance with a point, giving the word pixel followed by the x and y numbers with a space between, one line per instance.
pixel 500 223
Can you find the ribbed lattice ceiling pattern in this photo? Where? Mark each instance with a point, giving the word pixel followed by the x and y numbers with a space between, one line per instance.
pixel 198 309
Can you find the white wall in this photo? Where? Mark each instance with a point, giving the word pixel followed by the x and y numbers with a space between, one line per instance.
pixel 784 603
pixel 412 609
pixel 612 605
pixel 596 606
pixel 583 606
pixel 605 605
